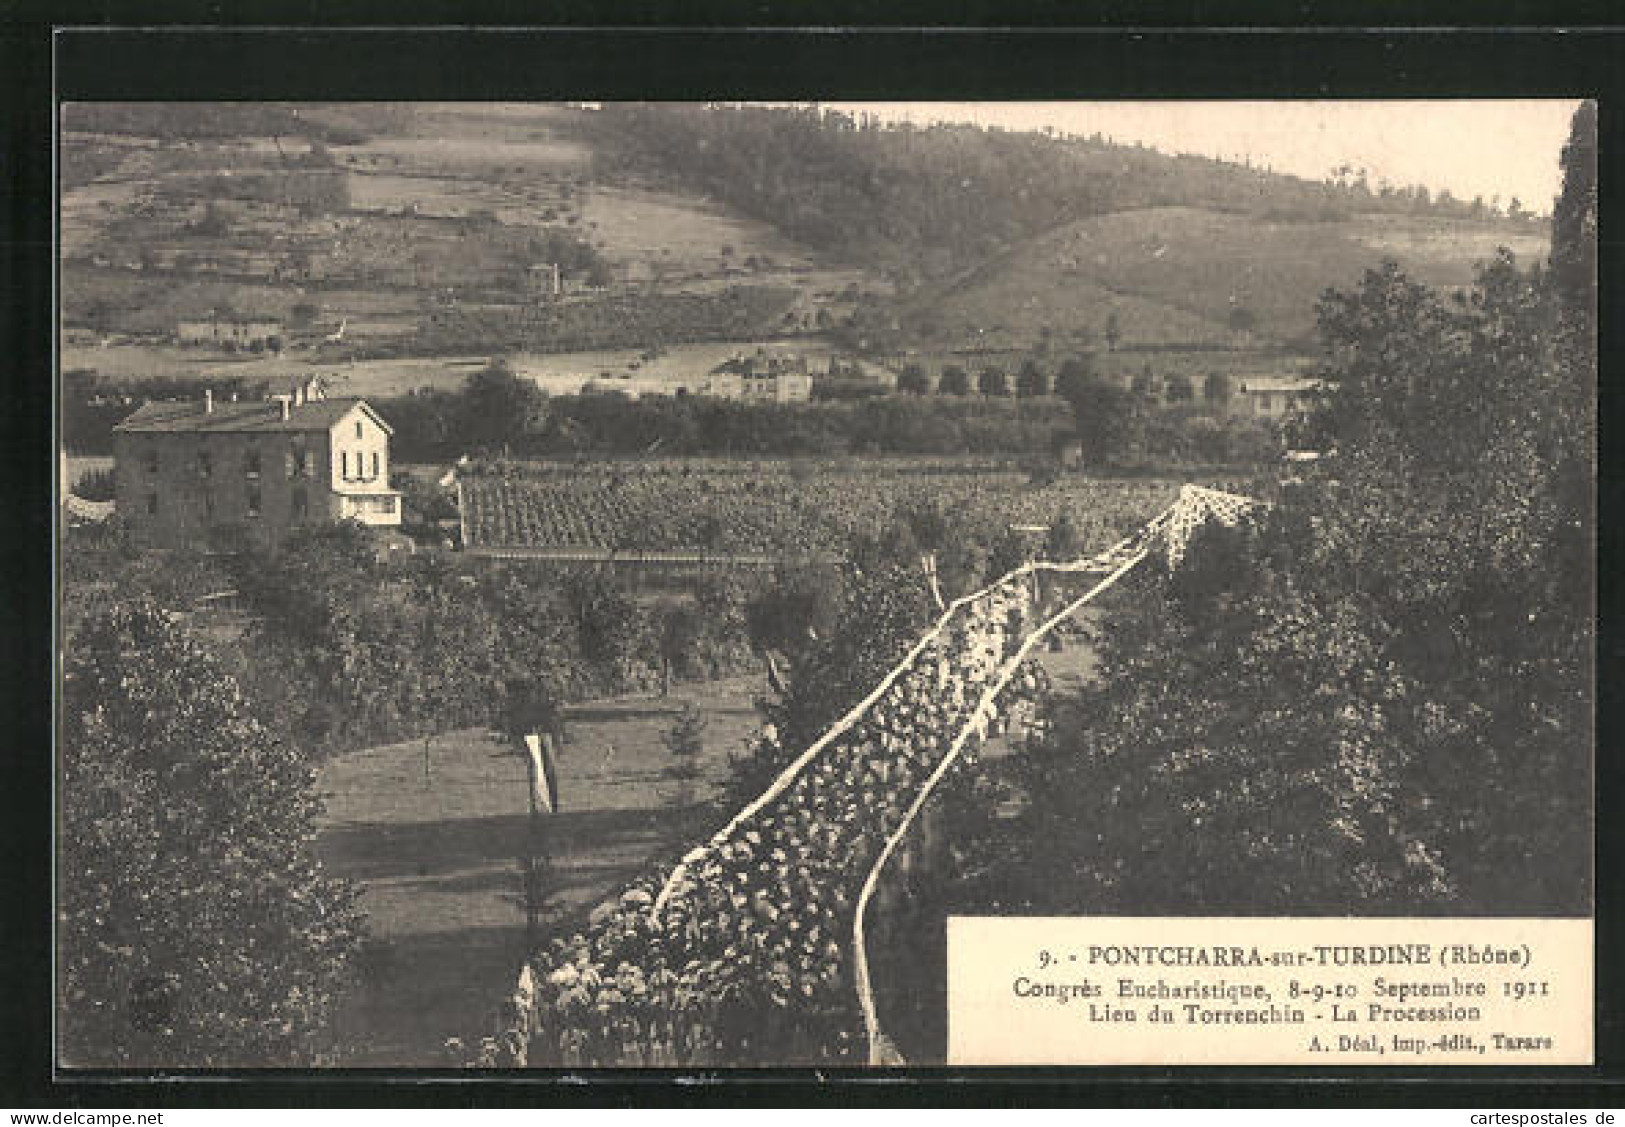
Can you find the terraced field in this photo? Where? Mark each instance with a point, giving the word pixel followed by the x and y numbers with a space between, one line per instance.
pixel 775 506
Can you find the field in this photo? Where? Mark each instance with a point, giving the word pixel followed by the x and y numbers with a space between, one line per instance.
pixel 443 210
pixel 679 234
pixel 436 844
pixel 559 373
pixel 776 506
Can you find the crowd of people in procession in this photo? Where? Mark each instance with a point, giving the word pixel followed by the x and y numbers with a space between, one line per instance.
pixel 748 959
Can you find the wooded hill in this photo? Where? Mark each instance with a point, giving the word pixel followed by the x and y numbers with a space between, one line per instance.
pixel 925 202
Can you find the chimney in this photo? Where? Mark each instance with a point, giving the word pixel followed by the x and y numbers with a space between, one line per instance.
pixel 208 401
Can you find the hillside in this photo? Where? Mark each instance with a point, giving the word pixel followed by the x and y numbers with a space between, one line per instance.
pixel 1191 276
pixel 422 229
pixel 403 232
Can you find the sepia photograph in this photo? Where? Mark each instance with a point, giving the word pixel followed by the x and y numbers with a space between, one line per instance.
pixel 686 586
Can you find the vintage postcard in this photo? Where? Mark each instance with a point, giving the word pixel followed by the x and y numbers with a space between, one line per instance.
pixel 601 585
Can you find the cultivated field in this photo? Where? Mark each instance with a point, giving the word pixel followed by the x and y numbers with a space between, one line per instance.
pixel 679 233
pixel 776 506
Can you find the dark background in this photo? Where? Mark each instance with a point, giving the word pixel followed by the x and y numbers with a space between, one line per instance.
pixel 183 51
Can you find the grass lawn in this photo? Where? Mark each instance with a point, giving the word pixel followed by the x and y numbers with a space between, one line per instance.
pixel 436 848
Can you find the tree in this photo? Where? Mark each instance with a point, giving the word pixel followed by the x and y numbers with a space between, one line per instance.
pixel 1573 260
pixel 197 927
pixel 993 382
pixel 1032 381
pixel 1075 373
pixel 680 630
pixel 685 742
pixel 1063 541
pixel 498 407
pixel 885 604
pixel 1180 389
pixel 1009 550
pixel 1376 694
pixel 913 380
pixel 798 608
pixel 953 381
pixel 1103 415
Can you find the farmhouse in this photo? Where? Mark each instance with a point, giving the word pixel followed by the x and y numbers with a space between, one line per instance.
pixel 1271 397
pixel 758 378
pixel 268 466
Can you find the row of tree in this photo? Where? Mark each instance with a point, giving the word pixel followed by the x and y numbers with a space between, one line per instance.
pixel 498 412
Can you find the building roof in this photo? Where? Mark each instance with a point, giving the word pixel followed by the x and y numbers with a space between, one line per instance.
pixel 259 416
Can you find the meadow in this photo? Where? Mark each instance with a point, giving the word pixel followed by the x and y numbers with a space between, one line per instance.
pixel 434 831
pixel 1176 275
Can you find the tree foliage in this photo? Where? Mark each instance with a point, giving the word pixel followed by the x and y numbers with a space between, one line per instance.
pixel 953 381
pixel 1376 695
pixel 913 380
pixel 197 928
pixel 1104 416
pixel 1032 381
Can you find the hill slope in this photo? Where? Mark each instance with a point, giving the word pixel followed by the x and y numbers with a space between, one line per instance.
pixel 426 228
pixel 1191 276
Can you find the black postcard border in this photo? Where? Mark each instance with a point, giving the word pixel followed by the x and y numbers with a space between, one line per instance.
pixel 189 51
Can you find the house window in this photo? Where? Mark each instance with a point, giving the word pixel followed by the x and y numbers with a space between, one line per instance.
pixel 152 504
pixel 344 464
pixel 253 500
pixel 359 433
pixel 251 462
pixel 374 465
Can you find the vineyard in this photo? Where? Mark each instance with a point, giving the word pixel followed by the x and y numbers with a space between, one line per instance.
pixel 781 507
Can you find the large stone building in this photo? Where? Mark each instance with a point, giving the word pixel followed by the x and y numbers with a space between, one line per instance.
pixel 267 466
pixel 764 377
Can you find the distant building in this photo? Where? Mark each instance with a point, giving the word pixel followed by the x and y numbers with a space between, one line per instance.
pixel 268 466
pixel 544 279
pixel 1271 397
pixel 227 330
pixel 762 377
